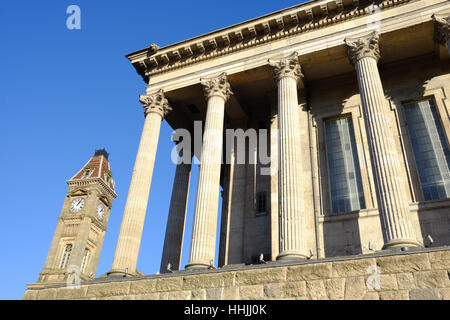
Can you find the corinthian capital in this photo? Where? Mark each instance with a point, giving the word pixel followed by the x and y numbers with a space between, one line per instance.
pixel 441 28
pixel 287 67
pixel 366 46
pixel 217 86
pixel 155 102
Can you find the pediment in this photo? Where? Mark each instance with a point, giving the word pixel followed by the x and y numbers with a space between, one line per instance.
pixel 78 192
pixel 106 201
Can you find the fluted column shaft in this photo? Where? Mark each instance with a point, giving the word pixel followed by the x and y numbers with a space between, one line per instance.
pixel 127 250
pixel 203 241
pixel 290 205
pixel 173 242
pixel 390 188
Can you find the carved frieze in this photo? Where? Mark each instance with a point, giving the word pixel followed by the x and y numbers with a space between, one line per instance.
pixel 296 21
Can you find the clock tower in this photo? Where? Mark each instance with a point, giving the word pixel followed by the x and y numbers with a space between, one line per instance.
pixel 81 227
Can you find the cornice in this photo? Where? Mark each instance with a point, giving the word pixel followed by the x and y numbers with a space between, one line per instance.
pixel 281 24
pixel 83 182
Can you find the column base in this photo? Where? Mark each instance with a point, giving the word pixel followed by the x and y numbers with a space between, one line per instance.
pixel 196 265
pixel 401 244
pixel 114 273
pixel 291 255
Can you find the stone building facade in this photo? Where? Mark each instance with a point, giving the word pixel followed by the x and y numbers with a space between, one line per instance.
pixel 357 93
pixel 402 276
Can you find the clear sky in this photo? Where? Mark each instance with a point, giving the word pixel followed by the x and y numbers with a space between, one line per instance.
pixel 65 93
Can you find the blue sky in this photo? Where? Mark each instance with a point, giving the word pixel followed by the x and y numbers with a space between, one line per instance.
pixel 65 93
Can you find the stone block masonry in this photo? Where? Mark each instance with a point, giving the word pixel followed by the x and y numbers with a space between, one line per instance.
pixel 409 275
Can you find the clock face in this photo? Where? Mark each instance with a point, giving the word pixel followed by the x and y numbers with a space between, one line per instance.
pixel 100 211
pixel 77 205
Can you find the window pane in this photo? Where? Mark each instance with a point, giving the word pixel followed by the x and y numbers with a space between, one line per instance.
pixel 85 259
pixel 343 166
pixel 430 147
pixel 66 255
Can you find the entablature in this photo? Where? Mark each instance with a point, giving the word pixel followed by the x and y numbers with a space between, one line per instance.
pixel 310 16
pixel 327 39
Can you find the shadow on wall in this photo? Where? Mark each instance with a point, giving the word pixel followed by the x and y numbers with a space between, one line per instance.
pixel 435 224
pixel 341 238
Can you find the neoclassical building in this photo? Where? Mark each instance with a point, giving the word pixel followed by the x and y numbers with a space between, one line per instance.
pixel 358 94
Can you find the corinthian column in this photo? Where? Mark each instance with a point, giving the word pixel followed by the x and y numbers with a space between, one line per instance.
pixel 127 250
pixel 287 73
pixel 173 242
pixel 217 90
pixel 390 187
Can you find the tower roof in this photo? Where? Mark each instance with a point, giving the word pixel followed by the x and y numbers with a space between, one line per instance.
pixel 96 167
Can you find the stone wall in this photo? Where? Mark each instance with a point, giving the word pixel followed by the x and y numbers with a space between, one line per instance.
pixel 343 233
pixel 420 274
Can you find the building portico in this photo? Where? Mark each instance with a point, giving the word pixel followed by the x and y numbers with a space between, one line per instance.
pixel 302 72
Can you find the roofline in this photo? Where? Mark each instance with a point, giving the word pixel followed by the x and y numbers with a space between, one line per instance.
pixel 286 23
pixel 225 28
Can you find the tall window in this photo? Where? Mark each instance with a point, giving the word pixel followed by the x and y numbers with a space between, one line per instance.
pixel 343 166
pixel 84 261
pixel 65 256
pixel 430 147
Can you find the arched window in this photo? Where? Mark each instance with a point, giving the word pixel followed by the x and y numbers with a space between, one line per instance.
pixel 65 256
pixel 85 261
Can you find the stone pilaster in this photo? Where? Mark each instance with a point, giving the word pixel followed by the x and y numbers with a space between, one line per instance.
pixel 224 235
pixel 233 213
pixel 156 107
pixel 390 187
pixel 287 72
pixel 173 242
pixel 274 166
pixel 217 90
pixel 80 242
pixel 94 259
